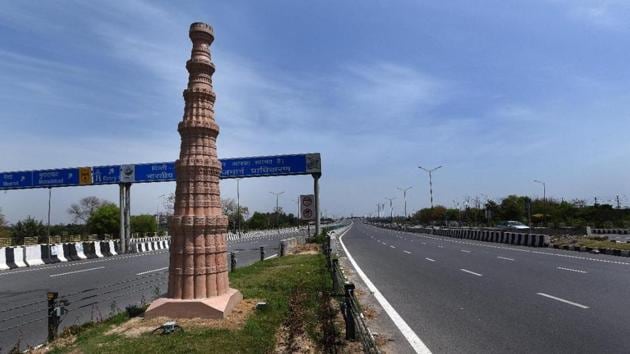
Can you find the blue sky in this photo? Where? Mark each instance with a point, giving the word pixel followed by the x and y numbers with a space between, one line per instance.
pixel 498 92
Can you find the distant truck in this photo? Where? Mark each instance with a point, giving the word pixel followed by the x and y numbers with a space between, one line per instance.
pixel 512 225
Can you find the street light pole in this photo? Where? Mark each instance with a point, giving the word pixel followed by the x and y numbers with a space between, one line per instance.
pixel 430 172
pixel 404 190
pixel 544 189
pixel 391 209
pixel 277 194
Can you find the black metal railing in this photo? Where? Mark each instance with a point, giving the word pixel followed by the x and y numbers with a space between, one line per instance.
pixel 355 325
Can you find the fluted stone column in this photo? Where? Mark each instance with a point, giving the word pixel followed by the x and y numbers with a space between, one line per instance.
pixel 198 284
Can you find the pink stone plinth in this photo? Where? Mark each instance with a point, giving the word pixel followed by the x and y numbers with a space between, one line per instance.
pixel 216 307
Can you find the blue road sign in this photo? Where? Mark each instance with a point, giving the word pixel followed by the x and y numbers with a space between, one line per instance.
pixel 16 180
pixel 56 178
pixel 155 172
pixel 281 165
pixel 106 174
pixel 270 166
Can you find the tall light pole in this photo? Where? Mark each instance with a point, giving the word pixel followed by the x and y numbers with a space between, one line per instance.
pixel 391 209
pixel 277 194
pixel 430 172
pixel 544 189
pixel 404 191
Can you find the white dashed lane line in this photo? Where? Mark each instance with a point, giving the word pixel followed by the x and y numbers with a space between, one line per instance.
pixel 479 244
pixel 572 270
pixel 76 271
pixel 563 300
pixel 471 272
pixel 430 259
pixel 392 246
pixel 152 271
pixel 407 252
pixel 506 258
pixel 465 251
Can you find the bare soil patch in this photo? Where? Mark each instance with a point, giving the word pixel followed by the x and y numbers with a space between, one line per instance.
pixel 137 326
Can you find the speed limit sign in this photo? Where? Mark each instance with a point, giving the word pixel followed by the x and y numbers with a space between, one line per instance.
pixel 307 207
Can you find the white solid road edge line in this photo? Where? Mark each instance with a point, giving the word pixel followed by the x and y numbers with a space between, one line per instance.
pixel 76 271
pixel 404 328
pixel 506 258
pixel 152 271
pixel 563 300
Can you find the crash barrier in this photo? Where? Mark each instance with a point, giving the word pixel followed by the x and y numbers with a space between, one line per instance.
pixel 34 255
pixel 610 231
pixel 147 244
pixel 260 234
pixel 487 235
pixel 355 326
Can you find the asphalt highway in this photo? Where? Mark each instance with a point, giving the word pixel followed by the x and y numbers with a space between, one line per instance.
pixel 463 296
pixel 95 288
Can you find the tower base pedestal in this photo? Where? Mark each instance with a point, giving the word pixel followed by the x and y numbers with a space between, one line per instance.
pixel 216 307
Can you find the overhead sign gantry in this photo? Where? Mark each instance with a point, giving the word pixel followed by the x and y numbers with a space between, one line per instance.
pixel 126 175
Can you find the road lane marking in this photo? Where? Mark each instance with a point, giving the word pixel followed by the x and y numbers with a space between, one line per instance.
pixel 471 272
pixel 572 270
pixel 272 256
pixel 429 259
pixel 465 251
pixel 152 271
pixel 481 244
pixel 563 300
pixel 424 243
pixel 392 246
pixel 414 341
pixel 76 271
pixel 506 258
pixel 407 252
pixel 440 246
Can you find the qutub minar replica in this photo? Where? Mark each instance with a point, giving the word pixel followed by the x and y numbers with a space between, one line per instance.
pixel 198 284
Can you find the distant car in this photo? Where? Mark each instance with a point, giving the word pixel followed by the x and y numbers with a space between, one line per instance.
pixel 512 225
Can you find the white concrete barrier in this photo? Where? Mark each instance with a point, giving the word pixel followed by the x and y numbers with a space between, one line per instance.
pixel 33 255
pixel 3 259
pixel 57 251
pixel 18 254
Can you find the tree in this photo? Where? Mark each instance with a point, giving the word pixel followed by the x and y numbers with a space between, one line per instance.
pixel 231 209
pixel 28 227
pixel 513 208
pixel 3 226
pixel 105 220
pixel 143 223
pixel 81 212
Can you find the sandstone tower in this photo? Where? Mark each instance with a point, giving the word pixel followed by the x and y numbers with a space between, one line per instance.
pixel 198 284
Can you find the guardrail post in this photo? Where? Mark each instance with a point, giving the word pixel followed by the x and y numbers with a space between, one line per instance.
pixel 232 261
pixel 282 249
pixel 335 263
pixel 350 328
pixel 53 315
pixel 262 253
